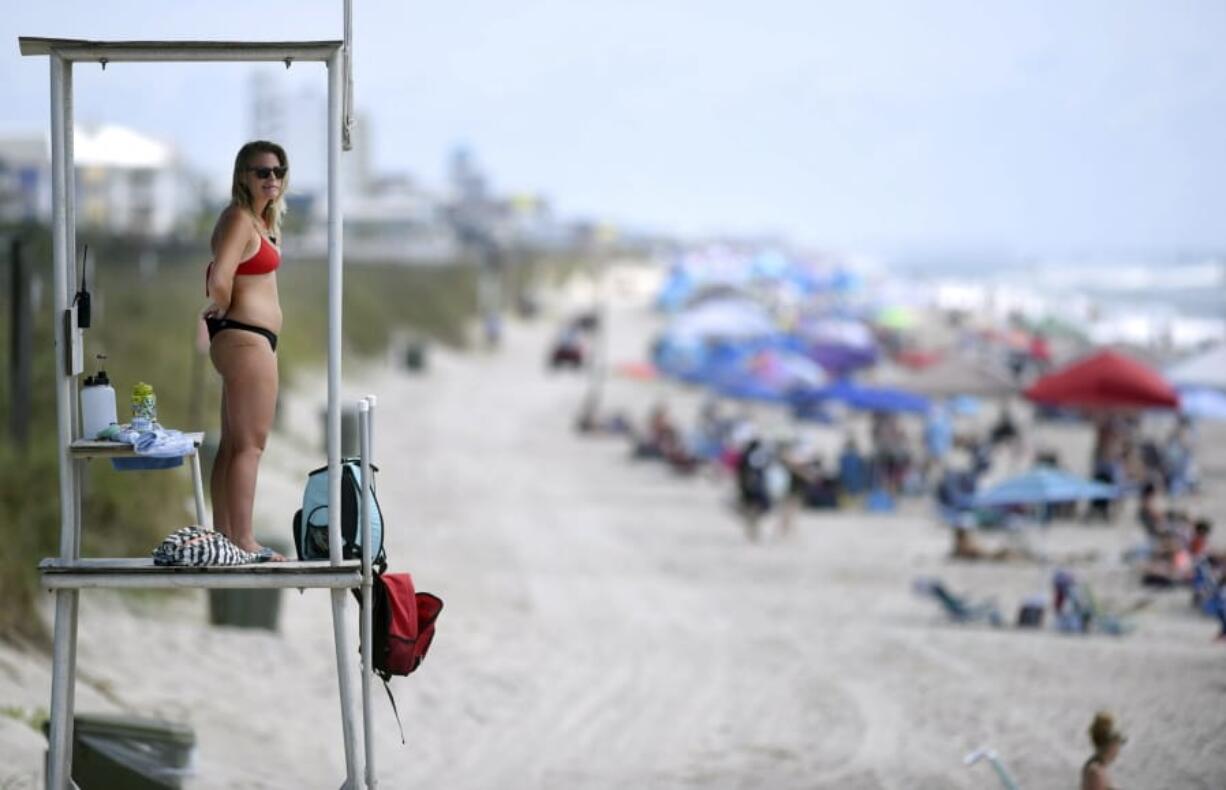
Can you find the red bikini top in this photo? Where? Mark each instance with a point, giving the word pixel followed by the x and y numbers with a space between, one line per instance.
pixel 266 259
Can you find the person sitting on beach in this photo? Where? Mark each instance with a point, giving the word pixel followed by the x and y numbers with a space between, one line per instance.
pixel 966 547
pixel 1198 545
pixel 1171 563
pixel 568 350
pixel 590 421
pixel 664 440
pixel 1107 741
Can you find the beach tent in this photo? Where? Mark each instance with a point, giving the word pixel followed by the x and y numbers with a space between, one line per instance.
pixel 1041 486
pixel 1104 380
pixel 1206 369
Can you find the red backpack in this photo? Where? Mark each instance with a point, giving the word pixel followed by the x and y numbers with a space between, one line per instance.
pixel 402 626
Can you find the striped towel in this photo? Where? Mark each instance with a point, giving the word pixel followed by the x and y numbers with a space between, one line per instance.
pixel 196 545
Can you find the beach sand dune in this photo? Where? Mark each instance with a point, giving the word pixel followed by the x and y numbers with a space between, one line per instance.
pixel 607 625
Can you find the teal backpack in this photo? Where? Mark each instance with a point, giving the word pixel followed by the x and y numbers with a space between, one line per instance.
pixel 311 522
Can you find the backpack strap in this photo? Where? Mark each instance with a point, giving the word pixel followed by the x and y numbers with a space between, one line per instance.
pixel 396 712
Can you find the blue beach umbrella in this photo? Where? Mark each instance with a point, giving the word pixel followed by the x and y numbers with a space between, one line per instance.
pixel 1043 486
pixel 1203 403
pixel 768 373
pixel 880 399
pixel 728 319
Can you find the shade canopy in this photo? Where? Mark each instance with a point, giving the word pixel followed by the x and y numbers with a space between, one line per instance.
pixel 1044 486
pixel 1105 380
pixel 953 375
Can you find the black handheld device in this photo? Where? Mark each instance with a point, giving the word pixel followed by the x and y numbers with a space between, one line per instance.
pixel 82 298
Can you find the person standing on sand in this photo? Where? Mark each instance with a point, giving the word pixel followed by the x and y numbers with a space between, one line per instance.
pixel 1107 741
pixel 242 318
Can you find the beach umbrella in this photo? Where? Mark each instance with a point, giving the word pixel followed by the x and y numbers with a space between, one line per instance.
pixel 839 345
pixel 1206 369
pixel 718 292
pixel 953 375
pixel 837 332
pixel 1104 380
pixel 723 319
pixel 842 360
pixel 856 396
pixel 1044 485
pixel 766 373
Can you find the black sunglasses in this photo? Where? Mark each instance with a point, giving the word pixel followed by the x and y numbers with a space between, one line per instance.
pixel 263 173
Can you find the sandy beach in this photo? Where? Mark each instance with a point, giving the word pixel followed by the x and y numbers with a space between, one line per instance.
pixel 608 625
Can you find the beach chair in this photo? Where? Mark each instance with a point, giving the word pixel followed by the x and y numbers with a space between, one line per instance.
pixel 1006 779
pixel 1082 613
pixel 960 608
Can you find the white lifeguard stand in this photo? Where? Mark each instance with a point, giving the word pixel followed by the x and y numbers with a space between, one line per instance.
pixel 69 573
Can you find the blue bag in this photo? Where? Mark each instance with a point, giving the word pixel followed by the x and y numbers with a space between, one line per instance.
pixel 311 522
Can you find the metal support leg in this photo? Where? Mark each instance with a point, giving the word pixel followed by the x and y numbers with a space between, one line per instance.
pixel 365 416
pixel 341 632
pixel 63 688
pixel 198 488
pixel 344 665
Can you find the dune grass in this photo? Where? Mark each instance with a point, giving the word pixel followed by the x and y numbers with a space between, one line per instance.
pixel 144 321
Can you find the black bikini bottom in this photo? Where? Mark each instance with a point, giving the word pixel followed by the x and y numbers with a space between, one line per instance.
pixel 216 325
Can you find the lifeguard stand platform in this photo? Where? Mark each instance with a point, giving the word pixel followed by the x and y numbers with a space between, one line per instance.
pixel 69 573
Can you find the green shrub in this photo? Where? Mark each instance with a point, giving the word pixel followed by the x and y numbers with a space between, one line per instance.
pixel 146 307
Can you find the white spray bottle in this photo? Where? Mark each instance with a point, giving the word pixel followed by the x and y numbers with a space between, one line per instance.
pixel 97 404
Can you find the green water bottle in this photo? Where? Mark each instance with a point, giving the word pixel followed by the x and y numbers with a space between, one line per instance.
pixel 144 407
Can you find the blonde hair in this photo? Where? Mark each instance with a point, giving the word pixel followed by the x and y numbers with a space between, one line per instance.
pixel 241 196
pixel 1103 732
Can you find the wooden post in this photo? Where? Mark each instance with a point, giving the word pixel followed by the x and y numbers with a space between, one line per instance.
pixel 21 349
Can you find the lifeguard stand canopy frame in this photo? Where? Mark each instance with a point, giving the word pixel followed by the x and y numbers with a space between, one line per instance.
pixel 69 572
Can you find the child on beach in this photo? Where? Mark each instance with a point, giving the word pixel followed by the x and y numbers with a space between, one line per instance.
pixel 1107 741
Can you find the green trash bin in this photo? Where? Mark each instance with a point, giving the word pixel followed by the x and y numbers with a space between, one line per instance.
pixel 258 608
pixel 245 608
pixel 114 751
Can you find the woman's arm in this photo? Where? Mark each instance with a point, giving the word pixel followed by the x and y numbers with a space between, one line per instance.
pixel 230 238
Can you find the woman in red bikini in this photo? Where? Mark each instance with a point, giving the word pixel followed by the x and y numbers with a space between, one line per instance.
pixel 243 318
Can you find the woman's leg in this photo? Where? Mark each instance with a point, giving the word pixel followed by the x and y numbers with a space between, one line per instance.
pixel 249 371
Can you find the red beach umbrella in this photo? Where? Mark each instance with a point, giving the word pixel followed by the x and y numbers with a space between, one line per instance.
pixel 1105 380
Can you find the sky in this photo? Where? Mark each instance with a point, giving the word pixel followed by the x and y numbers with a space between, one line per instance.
pixel 1012 125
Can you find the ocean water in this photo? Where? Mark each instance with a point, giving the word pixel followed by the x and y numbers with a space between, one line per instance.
pixel 1177 303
